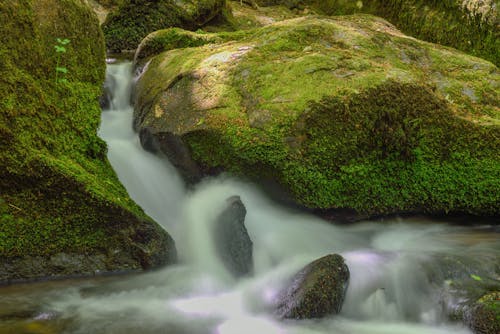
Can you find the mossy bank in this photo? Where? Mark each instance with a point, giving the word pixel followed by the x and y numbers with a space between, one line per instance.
pixel 469 25
pixel 63 210
pixel 343 113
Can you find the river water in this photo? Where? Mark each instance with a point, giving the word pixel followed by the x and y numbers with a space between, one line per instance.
pixel 398 279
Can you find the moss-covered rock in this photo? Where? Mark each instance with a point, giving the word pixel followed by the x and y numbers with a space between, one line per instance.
pixel 134 19
pixel 343 112
pixel 484 316
pixel 468 25
pixel 316 291
pixel 474 300
pixel 62 209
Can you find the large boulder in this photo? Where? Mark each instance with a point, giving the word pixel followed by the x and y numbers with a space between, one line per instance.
pixel 316 291
pixel 232 242
pixel 134 19
pixel 63 211
pixel 343 113
pixel 469 25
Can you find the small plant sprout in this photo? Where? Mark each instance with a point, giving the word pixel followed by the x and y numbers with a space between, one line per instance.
pixel 60 49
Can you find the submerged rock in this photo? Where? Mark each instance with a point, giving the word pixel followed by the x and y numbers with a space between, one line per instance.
pixel 471 287
pixel 344 113
pixel 134 19
pixel 233 244
pixel 63 211
pixel 315 291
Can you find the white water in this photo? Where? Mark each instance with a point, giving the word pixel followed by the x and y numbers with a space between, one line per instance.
pixel 389 290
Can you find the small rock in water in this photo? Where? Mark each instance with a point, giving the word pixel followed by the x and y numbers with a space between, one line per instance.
pixel 233 243
pixel 317 290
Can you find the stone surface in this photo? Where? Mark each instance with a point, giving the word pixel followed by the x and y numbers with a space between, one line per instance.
pixel 316 291
pixel 233 244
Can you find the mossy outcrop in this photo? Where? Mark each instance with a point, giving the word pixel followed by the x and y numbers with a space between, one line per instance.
pixel 316 291
pixel 62 209
pixel 468 25
pixel 134 19
pixel 343 112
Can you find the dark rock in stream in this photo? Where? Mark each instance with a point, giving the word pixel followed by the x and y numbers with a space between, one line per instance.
pixel 231 237
pixel 107 92
pixel 175 149
pixel 317 290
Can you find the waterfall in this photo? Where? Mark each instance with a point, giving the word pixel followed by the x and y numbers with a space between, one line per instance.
pixel 389 291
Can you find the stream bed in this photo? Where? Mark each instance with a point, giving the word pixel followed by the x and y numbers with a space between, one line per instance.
pixel 400 268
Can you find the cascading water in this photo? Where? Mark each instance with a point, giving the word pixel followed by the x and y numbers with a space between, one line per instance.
pixel 393 286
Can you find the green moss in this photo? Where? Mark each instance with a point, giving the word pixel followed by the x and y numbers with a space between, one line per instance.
pixel 344 112
pixel 58 192
pixel 172 38
pixel 126 27
pixel 442 22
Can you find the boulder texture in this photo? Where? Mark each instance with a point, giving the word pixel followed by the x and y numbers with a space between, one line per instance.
pixel 342 112
pixel 134 19
pixel 232 242
pixel 472 26
pixel 63 211
pixel 316 291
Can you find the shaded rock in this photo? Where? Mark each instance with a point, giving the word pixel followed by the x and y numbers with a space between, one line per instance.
pixel 232 241
pixel 174 148
pixel 107 92
pixel 134 19
pixel 345 113
pixel 316 291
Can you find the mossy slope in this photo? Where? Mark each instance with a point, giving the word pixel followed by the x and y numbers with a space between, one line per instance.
pixel 343 112
pixel 59 196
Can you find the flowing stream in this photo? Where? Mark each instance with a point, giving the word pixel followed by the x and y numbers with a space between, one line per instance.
pixel 397 278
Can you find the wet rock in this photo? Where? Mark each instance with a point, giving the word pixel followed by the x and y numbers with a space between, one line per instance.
pixel 470 286
pixel 174 148
pixel 232 241
pixel 315 291
pixel 107 92
pixel 483 317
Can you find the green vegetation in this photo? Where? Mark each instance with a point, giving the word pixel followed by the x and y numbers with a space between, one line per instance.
pixel 60 49
pixel 444 22
pixel 134 20
pixel 344 113
pixel 58 192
